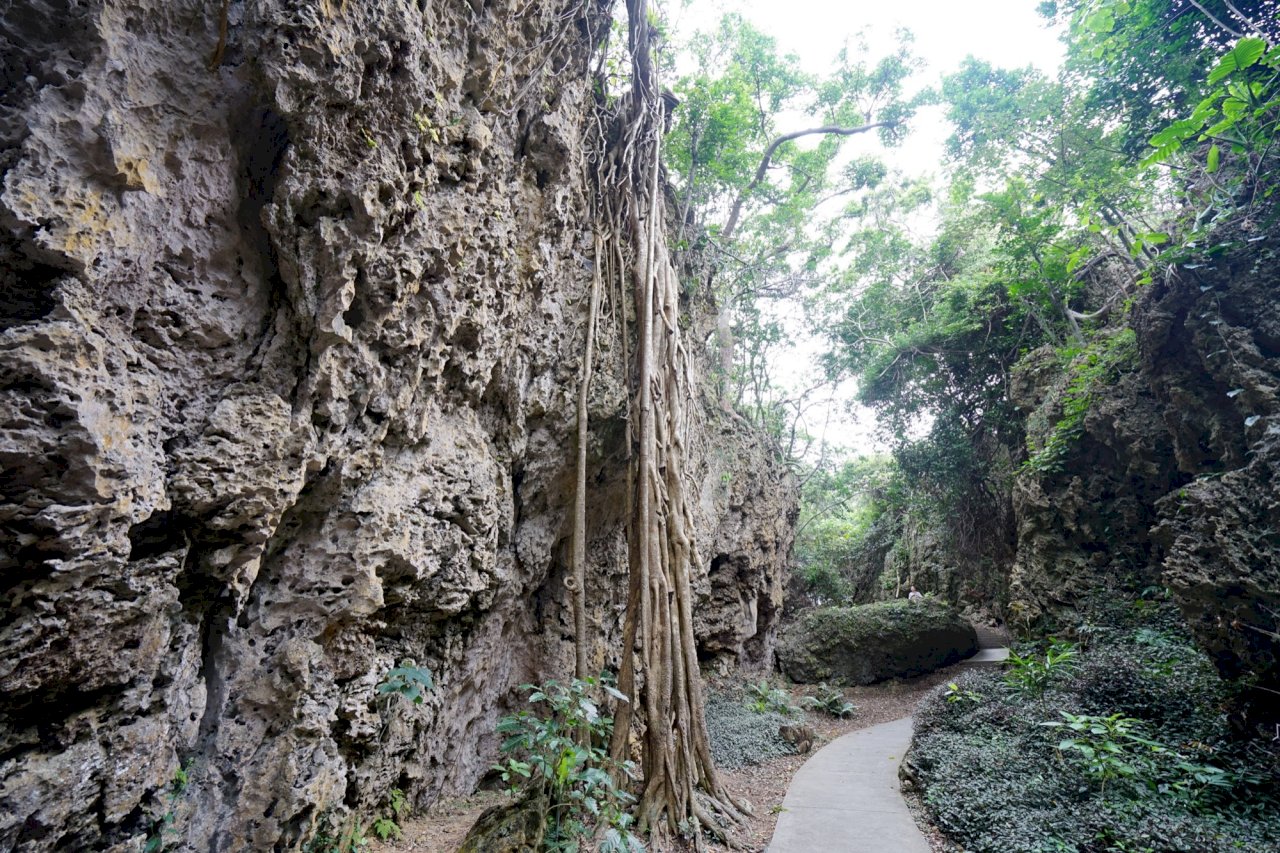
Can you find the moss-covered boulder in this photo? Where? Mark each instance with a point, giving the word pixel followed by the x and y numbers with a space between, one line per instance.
pixel 872 642
pixel 513 827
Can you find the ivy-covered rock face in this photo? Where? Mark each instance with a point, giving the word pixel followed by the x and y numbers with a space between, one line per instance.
pixel 874 642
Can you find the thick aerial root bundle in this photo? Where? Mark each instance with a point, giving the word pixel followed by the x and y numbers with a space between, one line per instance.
pixel 659 670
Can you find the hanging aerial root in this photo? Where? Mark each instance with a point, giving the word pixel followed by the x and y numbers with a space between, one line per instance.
pixel 659 668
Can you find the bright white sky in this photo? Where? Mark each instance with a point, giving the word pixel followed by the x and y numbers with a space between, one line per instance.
pixel 1007 33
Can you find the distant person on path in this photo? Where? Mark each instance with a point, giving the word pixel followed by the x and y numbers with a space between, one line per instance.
pixel 914 595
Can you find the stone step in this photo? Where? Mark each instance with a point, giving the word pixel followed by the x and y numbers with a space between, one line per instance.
pixel 988 657
pixel 990 637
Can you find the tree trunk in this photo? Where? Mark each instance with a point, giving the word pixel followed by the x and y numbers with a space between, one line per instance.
pixel 659 666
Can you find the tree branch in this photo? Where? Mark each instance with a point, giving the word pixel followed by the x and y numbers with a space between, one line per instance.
pixel 1101 313
pixel 831 130
pixel 1241 15
pixel 1213 18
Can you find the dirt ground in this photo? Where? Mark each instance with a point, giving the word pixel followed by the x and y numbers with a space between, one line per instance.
pixel 443 827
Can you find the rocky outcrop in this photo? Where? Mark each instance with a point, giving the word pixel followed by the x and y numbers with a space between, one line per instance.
pixel 1171 477
pixel 874 642
pixel 753 519
pixel 1083 520
pixel 1210 334
pixel 515 827
pixel 291 334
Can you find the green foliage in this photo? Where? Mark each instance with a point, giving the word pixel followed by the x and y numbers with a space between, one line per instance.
pixel 829 700
pixel 1050 227
pixel 398 803
pixel 1240 112
pixel 1145 60
pixel 757 173
pixel 347 836
pixel 347 833
pixel 729 114
pixel 1033 673
pixel 1101 363
pixel 164 827
pixel 957 694
pixel 740 736
pixel 764 698
pixel 561 749
pixel 1116 747
pixel 387 826
pixel 1105 745
pixel 407 681
pixel 931 339
pixel 1096 762
pixel 843 531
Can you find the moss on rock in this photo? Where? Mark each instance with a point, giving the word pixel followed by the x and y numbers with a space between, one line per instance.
pixel 874 642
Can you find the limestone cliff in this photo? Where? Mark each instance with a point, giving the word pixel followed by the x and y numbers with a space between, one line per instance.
pixel 1211 351
pixel 292 323
pixel 1083 521
pixel 1171 480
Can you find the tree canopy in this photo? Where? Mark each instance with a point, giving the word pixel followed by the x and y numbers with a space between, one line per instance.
pixel 1062 195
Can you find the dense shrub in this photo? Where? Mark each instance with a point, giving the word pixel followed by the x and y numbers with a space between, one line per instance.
pixel 741 736
pixel 1167 683
pixel 996 778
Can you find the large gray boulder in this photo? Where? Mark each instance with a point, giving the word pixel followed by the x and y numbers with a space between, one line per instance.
pixel 874 642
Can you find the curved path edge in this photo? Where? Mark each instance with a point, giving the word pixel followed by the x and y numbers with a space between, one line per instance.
pixel 846 799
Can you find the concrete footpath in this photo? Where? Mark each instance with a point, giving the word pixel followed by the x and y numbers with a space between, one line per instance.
pixel 845 799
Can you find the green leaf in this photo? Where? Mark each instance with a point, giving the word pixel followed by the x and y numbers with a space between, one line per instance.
pixel 1161 155
pixel 1215 156
pixel 593 776
pixel 1102 21
pixel 1234 108
pixel 1221 127
pixel 1178 131
pixel 1245 54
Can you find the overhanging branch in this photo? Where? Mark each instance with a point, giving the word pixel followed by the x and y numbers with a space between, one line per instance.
pixel 830 130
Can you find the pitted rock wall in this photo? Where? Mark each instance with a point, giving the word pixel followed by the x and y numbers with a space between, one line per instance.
pixel 1211 350
pixel 290 351
pixel 1173 480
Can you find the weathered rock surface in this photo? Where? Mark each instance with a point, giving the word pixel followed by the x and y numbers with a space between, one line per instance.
pixel 289 353
pixel 516 827
pixel 874 642
pixel 1173 480
pixel 1088 521
pixel 1211 352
